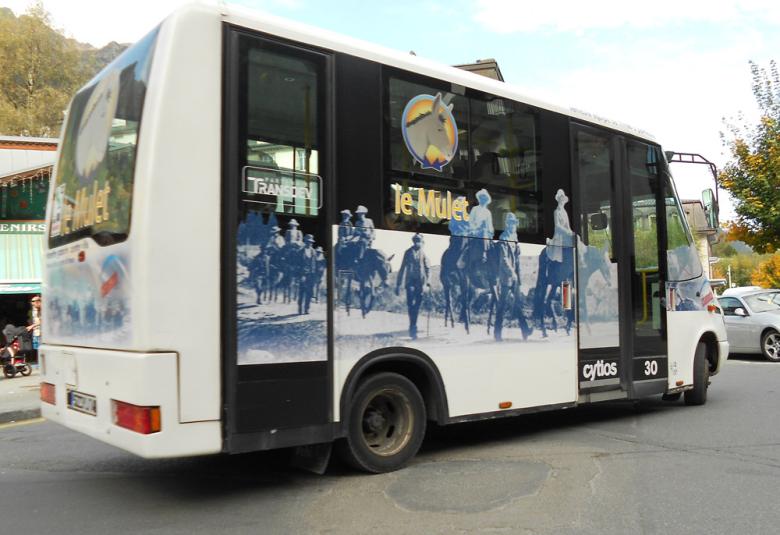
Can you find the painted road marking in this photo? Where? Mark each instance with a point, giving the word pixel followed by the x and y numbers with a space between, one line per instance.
pixel 23 422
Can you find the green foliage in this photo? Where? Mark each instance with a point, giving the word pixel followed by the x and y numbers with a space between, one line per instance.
pixel 742 268
pixel 40 70
pixel 723 249
pixel 753 174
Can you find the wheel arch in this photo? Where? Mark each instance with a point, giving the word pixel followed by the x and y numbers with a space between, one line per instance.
pixel 412 364
pixel 709 339
pixel 766 330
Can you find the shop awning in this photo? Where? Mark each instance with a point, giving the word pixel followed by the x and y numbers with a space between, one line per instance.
pixel 20 288
pixel 21 261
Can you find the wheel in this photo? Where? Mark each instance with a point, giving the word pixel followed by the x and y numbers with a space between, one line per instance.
pixel 671 397
pixel 701 377
pixel 9 371
pixel 27 370
pixel 770 345
pixel 386 424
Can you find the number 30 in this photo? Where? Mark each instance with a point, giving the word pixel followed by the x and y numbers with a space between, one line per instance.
pixel 651 367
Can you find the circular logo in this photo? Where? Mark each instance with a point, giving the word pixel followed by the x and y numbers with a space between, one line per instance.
pixel 430 131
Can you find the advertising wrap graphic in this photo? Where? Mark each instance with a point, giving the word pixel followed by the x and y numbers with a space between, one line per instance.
pixel 455 294
pixel 87 297
pixel 466 293
pixel 282 293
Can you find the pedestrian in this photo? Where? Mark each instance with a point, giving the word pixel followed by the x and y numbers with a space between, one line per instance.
pixel 415 270
pixel 35 326
pixel 308 272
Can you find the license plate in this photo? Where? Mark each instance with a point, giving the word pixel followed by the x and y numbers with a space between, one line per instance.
pixel 81 402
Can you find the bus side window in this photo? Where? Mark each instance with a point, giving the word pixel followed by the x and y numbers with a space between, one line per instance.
pixel 496 151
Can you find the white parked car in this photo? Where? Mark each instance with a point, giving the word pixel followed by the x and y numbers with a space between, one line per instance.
pixel 752 318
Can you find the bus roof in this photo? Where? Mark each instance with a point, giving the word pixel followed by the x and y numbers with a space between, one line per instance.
pixel 326 39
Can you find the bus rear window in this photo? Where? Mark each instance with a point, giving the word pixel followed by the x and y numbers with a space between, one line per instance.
pixel 94 183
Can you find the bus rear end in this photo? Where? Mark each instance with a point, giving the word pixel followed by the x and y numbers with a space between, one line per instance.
pixel 131 355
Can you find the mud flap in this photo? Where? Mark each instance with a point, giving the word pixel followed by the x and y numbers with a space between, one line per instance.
pixel 312 458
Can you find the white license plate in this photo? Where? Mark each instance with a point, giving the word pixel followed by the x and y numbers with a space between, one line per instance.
pixel 78 401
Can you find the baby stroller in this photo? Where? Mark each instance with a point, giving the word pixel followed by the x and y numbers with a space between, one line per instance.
pixel 12 355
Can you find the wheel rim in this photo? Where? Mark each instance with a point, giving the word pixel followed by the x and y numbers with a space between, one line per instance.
pixel 772 346
pixel 387 422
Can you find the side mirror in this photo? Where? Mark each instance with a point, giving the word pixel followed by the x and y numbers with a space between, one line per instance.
pixel 710 207
pixel 739 311
pixel 599 221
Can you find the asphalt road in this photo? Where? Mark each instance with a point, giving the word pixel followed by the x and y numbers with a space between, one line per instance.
pixel 612 468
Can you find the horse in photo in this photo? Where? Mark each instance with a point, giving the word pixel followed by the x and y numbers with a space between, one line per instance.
pixel 369 272
pixel 428 130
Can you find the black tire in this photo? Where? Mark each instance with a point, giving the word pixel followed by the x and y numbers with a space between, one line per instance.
pixel 672 397
pixel 770 345
pixel 9 371
pixel 701 377
pixel 26 371
pixel 385 426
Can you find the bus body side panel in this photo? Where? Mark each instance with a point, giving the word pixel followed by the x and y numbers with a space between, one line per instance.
pixel 143 379
pixel 177 200
pixel 688 321
pixel 479 372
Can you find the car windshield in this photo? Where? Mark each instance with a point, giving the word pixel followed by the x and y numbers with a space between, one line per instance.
pixel 764 301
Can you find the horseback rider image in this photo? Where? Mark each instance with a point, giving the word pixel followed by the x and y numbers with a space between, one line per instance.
pixel 554 268
pixel 481 221
pixel 308 271
pixel 459 229
pixel 292 235
pixel 364 232
pixel 275 240
pixel 346 228
pixel 563 235
pixel 415 269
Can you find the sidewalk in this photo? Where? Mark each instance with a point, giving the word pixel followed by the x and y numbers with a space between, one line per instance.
pixel 19 399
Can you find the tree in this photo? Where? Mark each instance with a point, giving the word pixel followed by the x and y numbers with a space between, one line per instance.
pixel 723 249
pixel 40 71
pixel 767 274
pixel 743 266
pixel 753 174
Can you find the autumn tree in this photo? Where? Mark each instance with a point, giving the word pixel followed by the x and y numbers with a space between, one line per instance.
pixel 40 71
pixel 767 274
pixel 753 174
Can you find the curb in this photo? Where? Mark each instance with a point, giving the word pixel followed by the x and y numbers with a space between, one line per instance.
pixel 18 416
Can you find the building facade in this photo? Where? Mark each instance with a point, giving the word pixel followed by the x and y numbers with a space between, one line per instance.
pixel 25 169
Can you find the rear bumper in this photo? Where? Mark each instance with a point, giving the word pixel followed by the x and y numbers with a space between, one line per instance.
pixel 144 379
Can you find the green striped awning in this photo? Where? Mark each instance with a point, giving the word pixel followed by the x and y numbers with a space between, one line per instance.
pixel 21 262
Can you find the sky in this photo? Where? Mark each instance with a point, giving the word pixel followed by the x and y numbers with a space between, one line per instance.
pixel 675 68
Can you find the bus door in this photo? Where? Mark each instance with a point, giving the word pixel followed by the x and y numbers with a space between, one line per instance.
pixel 622 323
pixel 276 287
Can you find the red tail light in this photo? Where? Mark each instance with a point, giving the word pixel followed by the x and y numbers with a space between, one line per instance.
pixel 144 420
pixel 47 393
